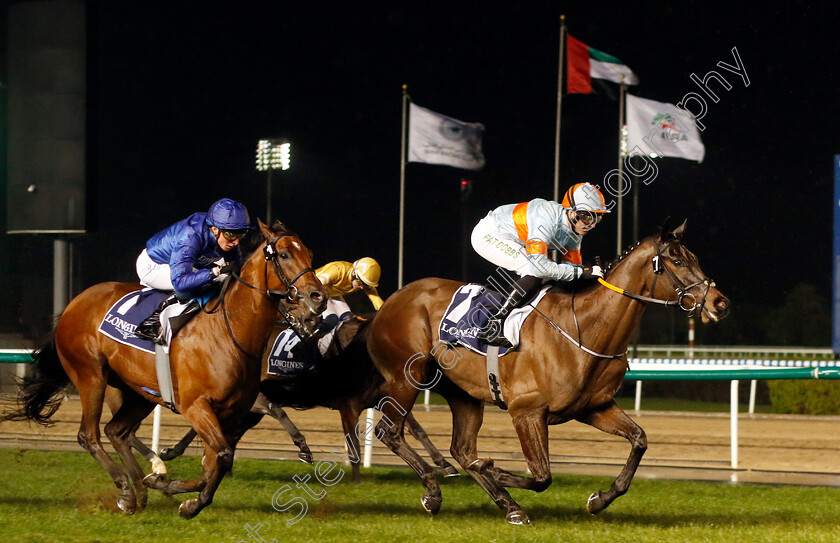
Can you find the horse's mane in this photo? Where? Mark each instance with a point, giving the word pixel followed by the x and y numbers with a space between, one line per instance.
pixel 576 287
pixel 255 237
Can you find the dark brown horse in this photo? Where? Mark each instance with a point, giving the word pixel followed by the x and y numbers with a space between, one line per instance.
pixel 549 379
pixel 346 381
pixel 215 364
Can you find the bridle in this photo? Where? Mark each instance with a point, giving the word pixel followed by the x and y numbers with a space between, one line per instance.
pixel 685 299
pixel 284 297
pixel 682 290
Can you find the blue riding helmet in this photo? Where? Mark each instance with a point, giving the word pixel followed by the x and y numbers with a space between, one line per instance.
pixel 227 214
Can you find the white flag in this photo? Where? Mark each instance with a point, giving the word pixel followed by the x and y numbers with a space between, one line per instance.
pixel 661 129
pixel 437 139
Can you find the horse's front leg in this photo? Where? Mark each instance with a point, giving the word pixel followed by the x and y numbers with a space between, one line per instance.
pixel 420 435
pixel 613 420
pixel 304 454
pixel 218 460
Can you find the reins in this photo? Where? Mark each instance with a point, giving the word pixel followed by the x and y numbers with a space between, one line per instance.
pixel 577 342
pixel 290 294
pixel 658 267
pixel 680 288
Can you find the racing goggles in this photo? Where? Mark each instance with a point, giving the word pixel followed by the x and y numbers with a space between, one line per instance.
pixel 231 235
pixel 588 218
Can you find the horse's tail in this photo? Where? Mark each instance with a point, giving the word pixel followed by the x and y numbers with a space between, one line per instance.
pixel 40 396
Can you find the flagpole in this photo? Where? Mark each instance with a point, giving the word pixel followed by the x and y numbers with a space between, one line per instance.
pixel 559 110
pixel 621 145
pixel 402 186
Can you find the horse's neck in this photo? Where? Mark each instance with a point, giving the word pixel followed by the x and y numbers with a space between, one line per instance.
pixel 250 310
pixel 611 318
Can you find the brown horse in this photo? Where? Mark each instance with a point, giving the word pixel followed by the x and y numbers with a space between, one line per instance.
pixel 549 379
pixel 215 364
pixel 346 381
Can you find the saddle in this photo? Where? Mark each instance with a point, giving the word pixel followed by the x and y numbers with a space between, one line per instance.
pixel 469 311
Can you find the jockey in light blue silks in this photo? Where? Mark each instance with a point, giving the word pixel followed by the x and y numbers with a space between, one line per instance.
pixel 191 255
pixel 518 237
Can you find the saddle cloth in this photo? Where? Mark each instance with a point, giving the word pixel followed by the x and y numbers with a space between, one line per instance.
pixel 281 359
pixel 471 308
pixel 122 319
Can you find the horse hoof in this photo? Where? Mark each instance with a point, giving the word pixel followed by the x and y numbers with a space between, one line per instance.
pixel 305 457
pixel 518 518
pixel 595 504
pixel 188 509
pixel 158 466
pixel 450 471
pixel 431 504
pixel 153 480
pixel 127 504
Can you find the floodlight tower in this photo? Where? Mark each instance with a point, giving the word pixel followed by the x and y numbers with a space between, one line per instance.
pixel 272 154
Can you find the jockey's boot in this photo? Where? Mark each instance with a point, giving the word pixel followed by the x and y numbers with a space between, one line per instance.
pixel 151 328
pixel 524 288
pixel 179 321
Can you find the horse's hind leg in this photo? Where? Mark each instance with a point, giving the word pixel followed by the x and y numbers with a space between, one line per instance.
pixel 120 430
pixel 420 435
pixel 90 382
pixel 114 399
pixel 614 420
pixel 174 452
pixel 467 416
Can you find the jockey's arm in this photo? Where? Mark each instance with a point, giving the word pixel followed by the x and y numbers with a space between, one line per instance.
pixel 375 299
pixel 183 274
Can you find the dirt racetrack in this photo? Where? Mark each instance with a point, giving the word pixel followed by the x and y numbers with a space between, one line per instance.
pixel 771 448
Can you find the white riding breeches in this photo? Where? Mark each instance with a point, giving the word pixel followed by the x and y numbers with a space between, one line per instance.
pixel 152 274
pixel 504 251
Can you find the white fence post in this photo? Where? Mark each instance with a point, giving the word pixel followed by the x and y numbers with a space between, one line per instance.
pixel 733 422
pixel 368 441
pixel 156 430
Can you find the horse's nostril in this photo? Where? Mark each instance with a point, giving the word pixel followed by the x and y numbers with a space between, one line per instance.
pixel 316 296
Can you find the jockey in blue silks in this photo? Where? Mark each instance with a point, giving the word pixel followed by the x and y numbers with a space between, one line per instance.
pixel 191 255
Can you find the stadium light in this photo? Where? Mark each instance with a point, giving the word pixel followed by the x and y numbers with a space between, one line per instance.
pixel 272 154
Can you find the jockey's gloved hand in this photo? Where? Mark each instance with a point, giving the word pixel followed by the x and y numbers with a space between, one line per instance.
pixel 586 272
pixel 222 270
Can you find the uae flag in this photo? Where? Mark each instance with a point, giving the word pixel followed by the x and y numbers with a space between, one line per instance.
pixel 586 66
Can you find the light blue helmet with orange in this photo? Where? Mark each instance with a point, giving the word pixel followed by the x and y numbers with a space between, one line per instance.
pixel 227 214
pixel 586 205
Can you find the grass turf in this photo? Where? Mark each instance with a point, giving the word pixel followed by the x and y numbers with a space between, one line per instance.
pixel 62 496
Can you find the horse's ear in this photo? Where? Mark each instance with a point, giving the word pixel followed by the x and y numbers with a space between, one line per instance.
pixel 667 227
pixel 264 229
pixel 680 230
pixel 669 232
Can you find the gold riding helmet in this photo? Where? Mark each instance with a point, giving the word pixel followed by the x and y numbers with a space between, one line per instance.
pixel 367 270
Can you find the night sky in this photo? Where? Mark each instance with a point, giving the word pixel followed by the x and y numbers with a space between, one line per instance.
pixel 180 96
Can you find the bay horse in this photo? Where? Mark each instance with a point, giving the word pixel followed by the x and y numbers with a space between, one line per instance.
pixel 549 379
pixel 345 380
pixel 215 361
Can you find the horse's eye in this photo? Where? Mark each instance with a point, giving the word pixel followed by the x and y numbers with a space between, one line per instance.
pixel 677 263
pixel 284 255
